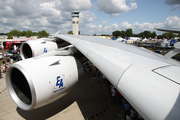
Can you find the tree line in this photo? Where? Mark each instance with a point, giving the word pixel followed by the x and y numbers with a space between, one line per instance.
pixel 117 33
pixel 28 34
pixel 145 34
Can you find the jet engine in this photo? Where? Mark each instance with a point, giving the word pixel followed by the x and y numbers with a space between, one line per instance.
pixel 36 47
pixel 35 82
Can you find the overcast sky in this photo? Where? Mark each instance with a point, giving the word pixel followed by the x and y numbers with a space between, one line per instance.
pixel 96 16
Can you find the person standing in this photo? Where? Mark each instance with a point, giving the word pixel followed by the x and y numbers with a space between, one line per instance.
pixel 94 76
pixel 5 68
pixel 98 75
pixel 3 60
pixel 123 107
pixel 127 108
pixel 88 71
pixel 133 114
pixel 8 60
pixel 113 93
pixel 0 74
pixel 11 61
pixel 109 89
pixel 104 80
pixel 120 97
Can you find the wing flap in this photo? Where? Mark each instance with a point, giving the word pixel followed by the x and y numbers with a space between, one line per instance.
pixel 172 76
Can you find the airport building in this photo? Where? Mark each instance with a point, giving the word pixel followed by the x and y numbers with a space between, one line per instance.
pixel 3 37
pixel 75 22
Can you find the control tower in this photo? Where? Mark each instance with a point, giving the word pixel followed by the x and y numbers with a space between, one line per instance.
pixel 75 22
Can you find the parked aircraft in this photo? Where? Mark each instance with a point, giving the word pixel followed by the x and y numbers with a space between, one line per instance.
pixel 176 45
pixel 149 81
pixel 168 30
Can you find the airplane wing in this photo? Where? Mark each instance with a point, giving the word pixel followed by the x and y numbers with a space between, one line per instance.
pixel 149 81
pixel 168 30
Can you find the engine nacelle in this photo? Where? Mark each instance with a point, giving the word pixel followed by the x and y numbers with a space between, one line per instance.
pixel 33 82
pixel 36 47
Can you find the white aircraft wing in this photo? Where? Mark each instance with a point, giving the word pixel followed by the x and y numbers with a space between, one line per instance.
pixel 150 82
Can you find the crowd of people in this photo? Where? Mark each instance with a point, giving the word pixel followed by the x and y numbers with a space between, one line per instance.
pixel 127 111
pixel 5 64
pixel 91 70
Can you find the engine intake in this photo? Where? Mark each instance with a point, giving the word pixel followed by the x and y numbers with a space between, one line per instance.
pixel 36 47
pixel 21 86
pixel 33 82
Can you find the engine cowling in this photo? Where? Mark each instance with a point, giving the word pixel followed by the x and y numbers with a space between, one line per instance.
pixel 33 83
pixel 34 48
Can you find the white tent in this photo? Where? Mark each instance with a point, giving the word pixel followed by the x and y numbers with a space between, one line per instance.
pixel 165 43
pixel 145 39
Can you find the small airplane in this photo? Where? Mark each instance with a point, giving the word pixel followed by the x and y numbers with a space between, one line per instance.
pixel 150 82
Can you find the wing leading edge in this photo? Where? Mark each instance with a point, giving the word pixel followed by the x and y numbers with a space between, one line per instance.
pixel 134 72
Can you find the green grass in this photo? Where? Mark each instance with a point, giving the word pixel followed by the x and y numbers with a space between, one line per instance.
pixel 176 57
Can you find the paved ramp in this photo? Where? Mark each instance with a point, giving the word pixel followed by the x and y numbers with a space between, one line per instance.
pixel 87 101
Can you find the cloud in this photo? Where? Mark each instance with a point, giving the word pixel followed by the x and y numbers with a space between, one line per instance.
pixel 87 17
pixel 115 7
pixel 138 27
pixel 172 22
pixel 169 23
pixel 125 25
pixel 22 8
pixel 50 15
pixel 103 22
pixel 54 15
pixel 76 5
pixel 175 7
pixel 174 3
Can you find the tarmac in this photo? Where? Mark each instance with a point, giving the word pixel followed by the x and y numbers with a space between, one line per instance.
pixel 89 100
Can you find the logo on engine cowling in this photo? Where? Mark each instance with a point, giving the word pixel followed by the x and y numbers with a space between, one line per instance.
pixel 45 50
pixel 59 84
